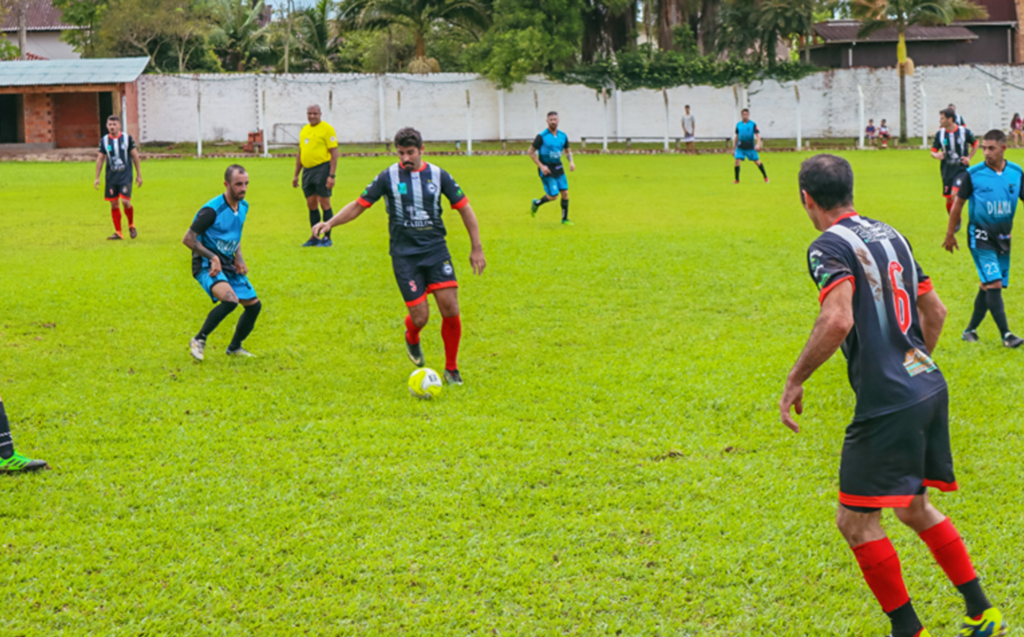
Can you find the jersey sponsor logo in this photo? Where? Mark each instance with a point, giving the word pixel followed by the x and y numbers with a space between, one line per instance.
pixel 226 247
pixel 874 232
pixel 403 188
pixel 999 208
pixel 917 362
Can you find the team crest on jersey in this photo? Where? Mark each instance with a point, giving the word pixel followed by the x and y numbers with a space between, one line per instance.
pixel 431 188
pixel 412 285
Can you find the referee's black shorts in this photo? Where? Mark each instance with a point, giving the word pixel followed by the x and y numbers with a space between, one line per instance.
pixel 889 459
pixel 314 180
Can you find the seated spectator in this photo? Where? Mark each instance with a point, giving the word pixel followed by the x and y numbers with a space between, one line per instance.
pixel 871 133
pixel 1016 130
pixel 883 134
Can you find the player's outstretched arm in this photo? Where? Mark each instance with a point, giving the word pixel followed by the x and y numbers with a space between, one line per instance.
pixel 348 213
pixel 834 322
pixel 955 213
pixel 933 315
pixel 100 158
pixel 476 253
pixel 192 243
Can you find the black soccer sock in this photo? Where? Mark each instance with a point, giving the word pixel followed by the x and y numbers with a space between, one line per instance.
pixel 327 217
pixel 977 603
pixel 542 200
pixel 246 322
pixel 980 310
pixel 213 319
pixel 565 210
pixel 314 217
pixel 761 168
pixel 737 171
pixel 995 306
pixel 905 622
pixel 6 443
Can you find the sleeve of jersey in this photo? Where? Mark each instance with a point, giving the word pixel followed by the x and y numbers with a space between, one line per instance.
pixel 935 143
pixel 131 143
pixel 375 190
pixel 204 219
pixel 963 187
pixel 538 141
pixel 451 190
pixel 924 282
pixel 331 138
pixel 828 267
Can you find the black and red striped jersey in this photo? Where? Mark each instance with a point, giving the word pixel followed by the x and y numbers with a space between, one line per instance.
pixel 888 364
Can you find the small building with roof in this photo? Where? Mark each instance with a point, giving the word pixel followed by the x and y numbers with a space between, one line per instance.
pixel 44 26
pixel 65 103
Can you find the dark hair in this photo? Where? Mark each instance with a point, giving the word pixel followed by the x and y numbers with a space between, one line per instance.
pixel 230 172
pixel 687 106
pixel 746 110
pixel 550 113
pixel 995 135
pixel 113 118
pixel 828 180
pixel 407 137
pixel 948 113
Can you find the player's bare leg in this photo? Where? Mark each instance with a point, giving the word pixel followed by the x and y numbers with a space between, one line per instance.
pixel 942 538
pixel 880 566
pixel 451 331
pixel 565 208
pixel 417 319
pixel 228 302
pixel 129 212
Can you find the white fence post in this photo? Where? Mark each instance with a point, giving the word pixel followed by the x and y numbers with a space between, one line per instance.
pixel 799 122
pixel 501 114
pixel 860 113
pixel 536 111
pixel 263 113
pixel 469 125
pixel 924 116
pixel 664 94
pixel 988 85
pixel 199 117
pixel 618 114
pixel 604 97
pixel 380 104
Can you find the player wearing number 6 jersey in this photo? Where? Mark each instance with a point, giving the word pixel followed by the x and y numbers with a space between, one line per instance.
pixel 412 190
pixel 993 189
pixel 879 306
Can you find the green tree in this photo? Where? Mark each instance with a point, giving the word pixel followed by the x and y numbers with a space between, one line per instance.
pixel 900 14
pixel 85 14
pixel 172 33
pixel 237 38
pixel 317 43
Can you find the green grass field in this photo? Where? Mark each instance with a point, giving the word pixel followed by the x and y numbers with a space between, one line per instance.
pixel 614 465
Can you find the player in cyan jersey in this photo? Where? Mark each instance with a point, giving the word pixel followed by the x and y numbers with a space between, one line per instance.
pixel 546 152
pixel 879 306
pixel 412 191
pixel 747 141
pixel 993 189
pixel 218 266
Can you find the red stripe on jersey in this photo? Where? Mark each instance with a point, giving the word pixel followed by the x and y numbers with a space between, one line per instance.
pixel 461 204
pixel 924 287
pixel 364 203
pixel 831 286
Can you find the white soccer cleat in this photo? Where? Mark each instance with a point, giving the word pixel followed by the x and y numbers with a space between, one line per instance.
pixel 196 348
pixel 244 353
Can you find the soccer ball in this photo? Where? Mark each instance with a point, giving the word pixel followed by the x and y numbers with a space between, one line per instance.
pixel 424 383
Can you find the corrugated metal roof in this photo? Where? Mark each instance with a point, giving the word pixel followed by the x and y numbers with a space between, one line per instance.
pixel 846 31
pixel 57 72
pixel 40 15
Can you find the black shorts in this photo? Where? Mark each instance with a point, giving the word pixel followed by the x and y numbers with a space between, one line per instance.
pixel 949 178
pixel 420 274
pixel 118 187
pixel 314 180
pixel 888 459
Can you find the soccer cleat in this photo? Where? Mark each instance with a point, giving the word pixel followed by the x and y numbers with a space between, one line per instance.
pixel 452 377
pixel 115 237
pixel 20 464
pixel 534 204
pixel 988 624
pixel 736 182
pixel 566 222
pixel 326 242
pixel 415 353
pixel 241 351
pixel 767 181
pixel 1012 340
pixel 196 348
pixel 971 336
pixel 312 243
pixel 133 232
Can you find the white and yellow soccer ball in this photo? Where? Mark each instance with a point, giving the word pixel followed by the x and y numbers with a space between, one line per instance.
pixel 424 383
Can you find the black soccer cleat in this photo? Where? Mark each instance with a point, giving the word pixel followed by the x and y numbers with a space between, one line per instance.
pixel 452 377
pixel 1012 340
pixel 133 232
pixel 971 336
pixel 115 237
pixel 415 353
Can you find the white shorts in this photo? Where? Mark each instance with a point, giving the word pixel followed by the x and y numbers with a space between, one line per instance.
pixel 689 138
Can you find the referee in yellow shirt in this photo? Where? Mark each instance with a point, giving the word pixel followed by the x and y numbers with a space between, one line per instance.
pixel 318 159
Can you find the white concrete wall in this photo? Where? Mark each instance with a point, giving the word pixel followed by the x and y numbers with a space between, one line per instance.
pixel 230 105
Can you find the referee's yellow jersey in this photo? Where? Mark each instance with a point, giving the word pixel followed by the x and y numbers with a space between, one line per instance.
pixel 315 144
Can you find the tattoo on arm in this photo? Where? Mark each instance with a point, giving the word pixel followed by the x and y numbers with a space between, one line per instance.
pixel 194 245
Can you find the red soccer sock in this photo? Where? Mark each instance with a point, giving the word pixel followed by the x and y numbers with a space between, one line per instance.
pixel 115 216
pixel 949 552
pixel 949 204
pixel 881 567
pixel 451 332
pixel 412 333
pixel 129 212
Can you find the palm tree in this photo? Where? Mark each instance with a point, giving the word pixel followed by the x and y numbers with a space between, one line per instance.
pixel 238 38
pixel 416 15
pixel 900 14
pixel 318 43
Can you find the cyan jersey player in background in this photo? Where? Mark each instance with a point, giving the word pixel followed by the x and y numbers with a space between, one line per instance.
pixel 215 239
pixel 992 188
pixel 546 152
pixel 747 141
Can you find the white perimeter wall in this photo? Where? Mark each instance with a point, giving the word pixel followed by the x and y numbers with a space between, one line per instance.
pixel 231 105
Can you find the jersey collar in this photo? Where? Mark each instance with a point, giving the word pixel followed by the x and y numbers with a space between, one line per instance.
pixel 421 169
pixel 852 213
pixel 118 136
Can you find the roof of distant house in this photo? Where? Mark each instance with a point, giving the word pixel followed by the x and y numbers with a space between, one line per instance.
pixel 84 71
pixel 842 31
pixel 41 15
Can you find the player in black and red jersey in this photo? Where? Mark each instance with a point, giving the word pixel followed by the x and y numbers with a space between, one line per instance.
pixel 412 191
pixel 954 146
pixel 880 307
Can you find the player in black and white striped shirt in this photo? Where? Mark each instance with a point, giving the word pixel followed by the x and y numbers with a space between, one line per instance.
pixel 118 152
pixel 954 146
